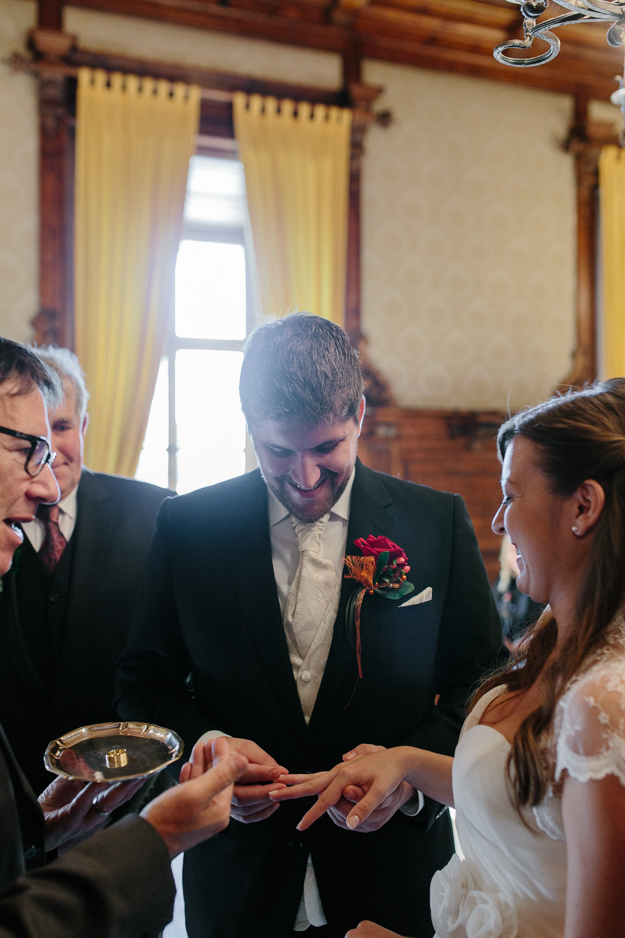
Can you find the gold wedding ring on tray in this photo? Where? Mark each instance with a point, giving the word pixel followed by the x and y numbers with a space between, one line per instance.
pixel 112 752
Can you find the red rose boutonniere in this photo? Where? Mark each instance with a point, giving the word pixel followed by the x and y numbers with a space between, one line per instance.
pixel 382 569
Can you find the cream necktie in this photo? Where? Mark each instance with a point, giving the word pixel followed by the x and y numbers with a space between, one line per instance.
pixel 315 586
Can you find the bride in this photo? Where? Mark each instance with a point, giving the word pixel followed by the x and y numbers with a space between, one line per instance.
pixel 538 778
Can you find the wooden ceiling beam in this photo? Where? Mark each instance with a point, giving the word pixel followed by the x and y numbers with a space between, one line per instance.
pixel 239 22
pixel 50 14
pixel 476 12
pixel 412 26
pixel 451 35
pixel 570 77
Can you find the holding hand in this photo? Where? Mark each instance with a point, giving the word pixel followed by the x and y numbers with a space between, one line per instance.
pixel 74 810
pixel 353 794
pixel 199 807
pixel 251 801
pixel 373 778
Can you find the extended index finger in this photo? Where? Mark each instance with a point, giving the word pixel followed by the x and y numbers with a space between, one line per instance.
pixel 327 799
pixel 373 797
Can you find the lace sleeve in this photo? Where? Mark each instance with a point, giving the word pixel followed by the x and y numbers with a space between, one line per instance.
pixel 591 740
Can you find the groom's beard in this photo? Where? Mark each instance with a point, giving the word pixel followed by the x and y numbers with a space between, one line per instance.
pixel 310 504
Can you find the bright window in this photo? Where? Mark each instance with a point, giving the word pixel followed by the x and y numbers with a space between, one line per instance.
pixel 196 431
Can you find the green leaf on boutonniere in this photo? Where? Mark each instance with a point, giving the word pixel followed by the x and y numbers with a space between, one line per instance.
pixel 350 627
pixel 382 560
pixel 405 588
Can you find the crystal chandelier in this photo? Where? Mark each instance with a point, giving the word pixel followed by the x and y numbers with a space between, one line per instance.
pixel 581 11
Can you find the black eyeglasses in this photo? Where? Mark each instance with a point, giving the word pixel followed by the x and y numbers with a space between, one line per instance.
pixel 39 454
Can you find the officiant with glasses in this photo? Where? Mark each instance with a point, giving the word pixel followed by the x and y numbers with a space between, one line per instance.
pixel 67 602
pixel 241 629
pixel 118 882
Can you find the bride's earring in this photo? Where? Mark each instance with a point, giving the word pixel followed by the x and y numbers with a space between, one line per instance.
pixel 575 529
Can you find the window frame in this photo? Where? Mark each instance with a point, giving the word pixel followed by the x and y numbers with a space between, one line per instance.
pixel 174 343
pixel 57 109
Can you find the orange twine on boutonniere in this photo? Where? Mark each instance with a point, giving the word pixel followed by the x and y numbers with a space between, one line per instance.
pixel 382 569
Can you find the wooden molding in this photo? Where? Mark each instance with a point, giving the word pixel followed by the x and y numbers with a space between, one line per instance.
pixel 54 322
pixel 450 35
pixel 50 44
pixel 362 97
pixel 377 390
pixel 585 142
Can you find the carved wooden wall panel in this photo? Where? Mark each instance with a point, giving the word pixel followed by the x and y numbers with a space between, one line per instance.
pixel 448 450
pixel 54 322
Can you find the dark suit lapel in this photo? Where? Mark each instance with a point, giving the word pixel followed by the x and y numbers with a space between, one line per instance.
pixel 258 596
pixel 371 512
pixel 11 637
pixel 91 537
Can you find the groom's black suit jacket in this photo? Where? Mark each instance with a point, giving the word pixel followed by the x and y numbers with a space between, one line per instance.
pixel 207 651
pixel 97 581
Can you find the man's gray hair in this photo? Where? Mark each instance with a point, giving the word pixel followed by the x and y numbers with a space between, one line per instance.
pixel 301 368
pixel 20 365
pixel 65 363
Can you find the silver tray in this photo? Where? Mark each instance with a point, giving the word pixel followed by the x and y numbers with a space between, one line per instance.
pixel 111 752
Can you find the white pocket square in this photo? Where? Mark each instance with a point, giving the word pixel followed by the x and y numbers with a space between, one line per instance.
pixel 423 597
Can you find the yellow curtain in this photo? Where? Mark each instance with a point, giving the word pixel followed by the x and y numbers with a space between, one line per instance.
pixel 134 140
pixel 296 162
pixel 612 186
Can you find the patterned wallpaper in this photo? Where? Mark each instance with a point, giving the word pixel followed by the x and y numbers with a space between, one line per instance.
pixel 468 240
pixel 468 254
pixel 19 222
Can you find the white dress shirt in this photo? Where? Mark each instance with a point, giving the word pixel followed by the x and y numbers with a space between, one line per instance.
pixel 285 557
pixel 307 675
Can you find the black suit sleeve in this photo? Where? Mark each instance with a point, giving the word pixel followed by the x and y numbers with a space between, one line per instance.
pixel 468 647
pixel 468 640
pixel 117 883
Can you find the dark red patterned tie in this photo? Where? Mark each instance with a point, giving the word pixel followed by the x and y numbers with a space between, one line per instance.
pixel 53 542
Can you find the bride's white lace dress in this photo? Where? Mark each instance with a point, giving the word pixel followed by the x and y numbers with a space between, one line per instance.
pixel 512 882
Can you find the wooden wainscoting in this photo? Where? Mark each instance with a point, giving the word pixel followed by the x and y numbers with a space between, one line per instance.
pixel 447 449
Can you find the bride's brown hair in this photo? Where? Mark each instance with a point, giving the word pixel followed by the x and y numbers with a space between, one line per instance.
pixel 579 436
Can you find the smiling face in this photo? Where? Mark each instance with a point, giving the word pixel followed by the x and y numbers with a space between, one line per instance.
pixel 68 438
pixel 307 466
pixel 20 494
pixel 537 522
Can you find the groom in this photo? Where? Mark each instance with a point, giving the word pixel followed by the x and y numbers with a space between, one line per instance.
pixel 231 636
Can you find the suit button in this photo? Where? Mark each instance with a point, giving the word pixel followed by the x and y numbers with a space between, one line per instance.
pixel 305 676
pixel 31 852
pixel 295 843
pixel 54 597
